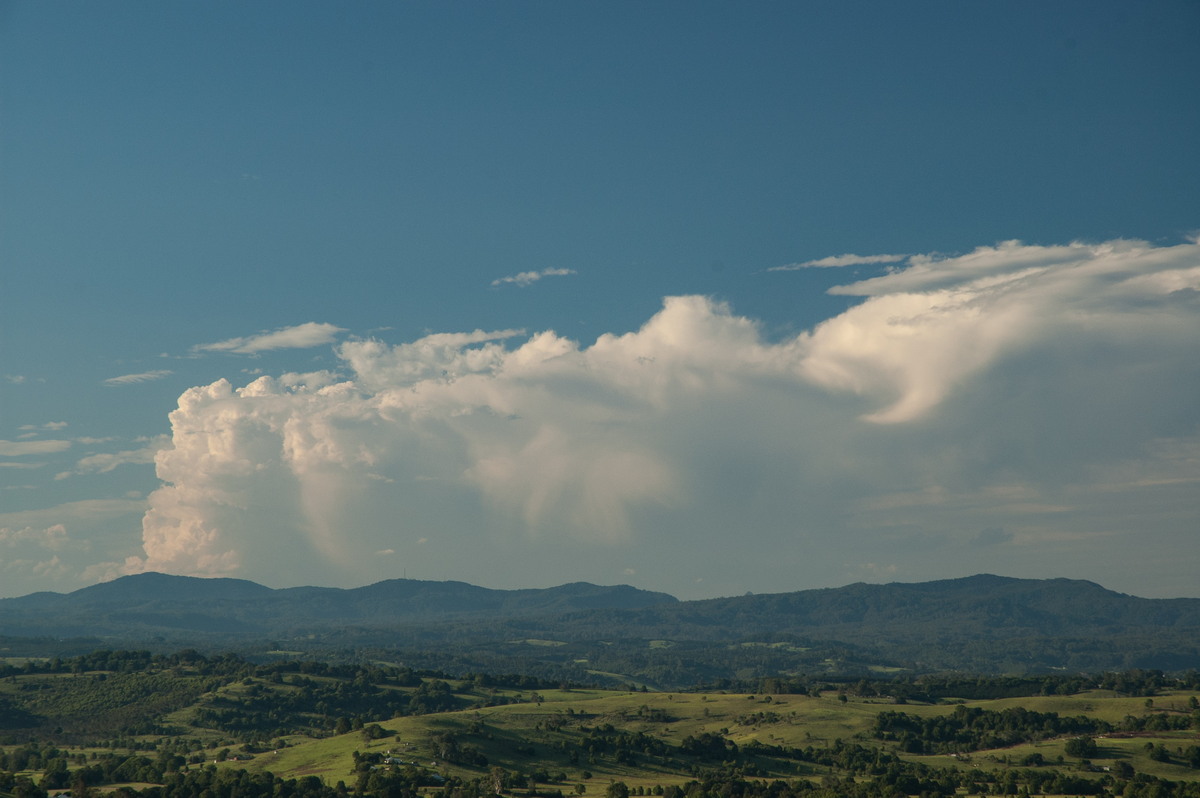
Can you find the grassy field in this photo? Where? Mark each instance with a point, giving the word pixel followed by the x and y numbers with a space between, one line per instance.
pixel 572 740
pixel 541 736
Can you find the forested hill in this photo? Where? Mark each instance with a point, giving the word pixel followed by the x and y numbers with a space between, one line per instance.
pixel 990 606
pixel 153 602
pixel 981 623
pixel 984 624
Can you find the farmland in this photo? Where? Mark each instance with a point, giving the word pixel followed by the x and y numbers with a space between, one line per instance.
pixel 139 724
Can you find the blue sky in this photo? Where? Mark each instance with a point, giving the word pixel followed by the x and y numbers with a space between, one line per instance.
pixel 700 297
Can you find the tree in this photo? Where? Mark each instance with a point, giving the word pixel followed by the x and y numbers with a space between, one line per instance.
pixel 1082 747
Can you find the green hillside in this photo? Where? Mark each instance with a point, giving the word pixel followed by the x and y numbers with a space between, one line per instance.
pixel 166 726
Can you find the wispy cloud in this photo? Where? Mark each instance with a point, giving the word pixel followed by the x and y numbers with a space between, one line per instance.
pixel 133 379
pixel 85 511
pixel 23 448
pixel 302 336
pixel 836 261
pixel 104 462
pixel 527 278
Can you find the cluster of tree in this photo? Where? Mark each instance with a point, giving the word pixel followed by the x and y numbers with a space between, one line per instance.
pixel 973 729
pixel 625 747
pixel 889 777
pixel 516 681
pixel 28 757
pixel 90 706
pixel 683 664
pixel 709 746
pixel 932 688
pixel 895 779
pixel 133 661
pixel 78 772
pixel 1189 756
pixel 194 662
pixel 306 704
pixel 119 694
pixel 890 785
pixel 448 747
pixel 848 768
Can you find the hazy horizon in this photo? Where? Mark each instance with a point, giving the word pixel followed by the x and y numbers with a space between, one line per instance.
pixel 552 585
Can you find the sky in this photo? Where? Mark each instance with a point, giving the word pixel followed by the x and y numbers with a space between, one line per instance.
pixel 702 297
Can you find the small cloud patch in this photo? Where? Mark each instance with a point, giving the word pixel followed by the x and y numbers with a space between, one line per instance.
pixel 528 278
pixel 302 336
pixel 133 379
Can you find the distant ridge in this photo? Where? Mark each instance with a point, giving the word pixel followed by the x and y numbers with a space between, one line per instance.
pixel 155 586
pixel 165 603
pixel 983 623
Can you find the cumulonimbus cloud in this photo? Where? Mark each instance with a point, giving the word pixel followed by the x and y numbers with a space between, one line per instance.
pixel 301 336
pixel 693 425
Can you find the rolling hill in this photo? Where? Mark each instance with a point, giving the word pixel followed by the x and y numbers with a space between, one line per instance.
pixel 579 631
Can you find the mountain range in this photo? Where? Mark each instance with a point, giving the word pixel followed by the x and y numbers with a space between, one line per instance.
pixel 983 623
pixel 163 604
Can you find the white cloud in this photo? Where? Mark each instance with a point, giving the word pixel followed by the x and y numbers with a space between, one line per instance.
pixel 53 548
pixel 527 278
pixel 104 462
pixel 53 537
pixel 72 512
pixel 28 447
pixel 33 551
pixel 837 261
pixel 441 356
pixel 302 336
pixel 108 571
pixel 133 379
pixel 986 392
pixel 927 329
